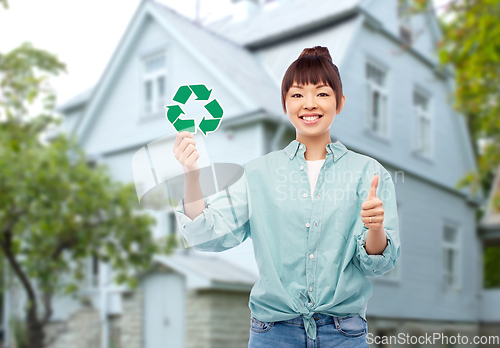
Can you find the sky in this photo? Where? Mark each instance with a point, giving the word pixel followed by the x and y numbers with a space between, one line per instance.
pixel 85 34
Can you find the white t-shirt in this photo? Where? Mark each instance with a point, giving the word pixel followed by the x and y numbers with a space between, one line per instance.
pixel 313 169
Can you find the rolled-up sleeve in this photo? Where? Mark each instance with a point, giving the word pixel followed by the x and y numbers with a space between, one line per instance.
pixel 374 265
pixel 225 221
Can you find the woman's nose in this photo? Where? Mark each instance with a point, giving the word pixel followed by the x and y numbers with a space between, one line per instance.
pixel 309 103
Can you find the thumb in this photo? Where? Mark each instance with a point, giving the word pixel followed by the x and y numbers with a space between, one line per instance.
pixel 373 188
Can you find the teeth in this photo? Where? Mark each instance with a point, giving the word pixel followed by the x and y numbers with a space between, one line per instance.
pixel 310 118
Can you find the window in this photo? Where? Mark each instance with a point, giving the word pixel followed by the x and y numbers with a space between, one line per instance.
pixel 405 32
pixel 423 126
pixel 154 79
pixel 377 99
pixel 451 258
pixel 92 271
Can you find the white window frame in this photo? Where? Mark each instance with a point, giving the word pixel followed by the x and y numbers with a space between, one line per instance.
pixel 92 280
pixel 157 103
pixel 383 91
pixel 456 247
pixel 423 144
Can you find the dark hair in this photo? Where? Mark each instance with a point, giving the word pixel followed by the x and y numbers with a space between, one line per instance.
pixel 314 65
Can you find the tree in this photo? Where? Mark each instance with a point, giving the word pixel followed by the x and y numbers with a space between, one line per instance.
pixel 55 210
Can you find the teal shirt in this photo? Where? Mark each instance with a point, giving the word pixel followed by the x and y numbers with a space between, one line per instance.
pixel 310 253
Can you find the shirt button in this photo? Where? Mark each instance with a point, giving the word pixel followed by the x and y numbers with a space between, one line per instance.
pixel 319 194
pixel 311 288
pixel 335 156
pixel 301 167
pixel 316 223
pixel 300 147
pixel 305 195
pixel 311 256
pixel 291 156
pixel 307 225
pixel 183 226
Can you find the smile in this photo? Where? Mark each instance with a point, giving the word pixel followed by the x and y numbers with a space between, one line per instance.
pixel 310 119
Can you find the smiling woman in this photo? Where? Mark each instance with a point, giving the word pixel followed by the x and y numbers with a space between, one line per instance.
pixel 316 221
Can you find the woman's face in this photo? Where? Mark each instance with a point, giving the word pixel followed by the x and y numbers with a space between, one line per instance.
pixel 312 99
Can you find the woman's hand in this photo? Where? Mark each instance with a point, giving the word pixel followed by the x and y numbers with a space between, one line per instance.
pixel 373 208
pixel 185 151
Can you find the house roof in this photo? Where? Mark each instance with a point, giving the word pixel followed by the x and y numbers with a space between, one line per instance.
pixel 251 86
pixel 268 25
pixel 76 101
pixel 254 86
pixel 223 44
pixel 206 271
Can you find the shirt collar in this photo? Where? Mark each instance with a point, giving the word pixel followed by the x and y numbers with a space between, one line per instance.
pixel 336 149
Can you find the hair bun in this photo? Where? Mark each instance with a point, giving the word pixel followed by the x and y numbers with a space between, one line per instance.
pixel 316 51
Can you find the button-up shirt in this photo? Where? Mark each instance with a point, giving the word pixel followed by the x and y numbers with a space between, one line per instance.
pixel 310 253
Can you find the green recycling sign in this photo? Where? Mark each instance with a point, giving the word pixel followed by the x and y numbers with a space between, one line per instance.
pixel 206 125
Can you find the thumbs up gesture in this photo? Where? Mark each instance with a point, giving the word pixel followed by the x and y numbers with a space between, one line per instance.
pixel 372 212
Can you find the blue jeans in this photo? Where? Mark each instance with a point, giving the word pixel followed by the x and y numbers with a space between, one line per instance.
pixel 344 332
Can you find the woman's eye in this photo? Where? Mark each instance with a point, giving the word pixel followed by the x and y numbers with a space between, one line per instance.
pixel 293 96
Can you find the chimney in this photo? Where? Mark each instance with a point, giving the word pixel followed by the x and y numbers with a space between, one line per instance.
pixel 243 9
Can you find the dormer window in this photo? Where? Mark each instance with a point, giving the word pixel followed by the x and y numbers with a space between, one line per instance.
pixel 154 83
pixel 404 16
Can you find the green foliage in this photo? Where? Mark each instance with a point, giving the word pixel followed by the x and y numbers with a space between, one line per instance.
pixel 55 210
pixel 491 260
pixel 20 83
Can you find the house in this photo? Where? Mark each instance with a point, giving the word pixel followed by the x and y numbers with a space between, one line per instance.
pixel 396 111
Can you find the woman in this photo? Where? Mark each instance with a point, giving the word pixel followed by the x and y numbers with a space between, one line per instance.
pixel 321 218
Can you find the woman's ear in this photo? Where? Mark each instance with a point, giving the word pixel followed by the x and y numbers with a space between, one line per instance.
pixel 341 106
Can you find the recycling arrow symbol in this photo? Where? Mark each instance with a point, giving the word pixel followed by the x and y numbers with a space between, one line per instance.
pixel 182 95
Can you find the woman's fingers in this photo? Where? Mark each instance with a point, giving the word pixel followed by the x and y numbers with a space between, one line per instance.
pixel 185 151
